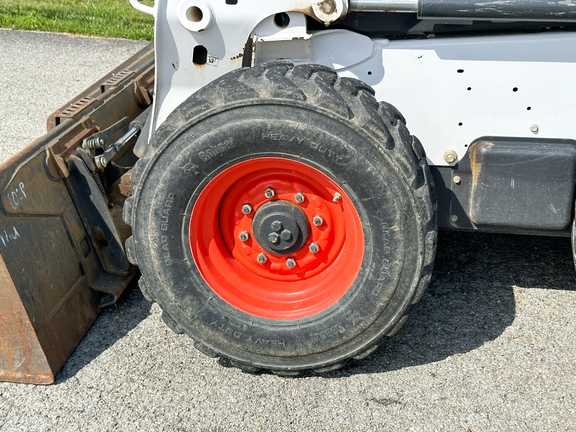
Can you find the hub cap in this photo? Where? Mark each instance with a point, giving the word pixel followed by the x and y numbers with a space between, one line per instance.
pixel 280 227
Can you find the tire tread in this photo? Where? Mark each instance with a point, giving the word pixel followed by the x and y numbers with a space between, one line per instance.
pixel 347 98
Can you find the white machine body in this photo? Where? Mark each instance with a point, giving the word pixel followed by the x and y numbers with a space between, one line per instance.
pixel 451 91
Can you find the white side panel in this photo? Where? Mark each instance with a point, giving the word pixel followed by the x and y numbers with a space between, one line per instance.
pixel 451 90
pixel 455 90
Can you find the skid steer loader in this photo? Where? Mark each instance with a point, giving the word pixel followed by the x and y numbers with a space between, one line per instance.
pixel 256 169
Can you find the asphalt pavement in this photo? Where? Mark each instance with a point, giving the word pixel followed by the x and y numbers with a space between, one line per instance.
pixel 490 347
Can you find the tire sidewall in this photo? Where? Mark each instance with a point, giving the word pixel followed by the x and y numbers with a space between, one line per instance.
pixel 386 205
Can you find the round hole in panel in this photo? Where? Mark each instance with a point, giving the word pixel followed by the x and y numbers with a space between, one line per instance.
pixel 194 15
pixel 282 20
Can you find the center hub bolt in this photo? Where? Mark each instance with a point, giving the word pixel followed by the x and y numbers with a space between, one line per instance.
pixel 286 235
pixel 291 263
pixel 273 238
pixel 276 225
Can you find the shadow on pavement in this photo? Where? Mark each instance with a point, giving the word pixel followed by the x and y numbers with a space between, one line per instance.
pixel 113 324
pixel 471 297
pixel 470 301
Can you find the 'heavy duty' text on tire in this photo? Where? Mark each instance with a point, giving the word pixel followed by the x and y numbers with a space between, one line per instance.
pixel 284 219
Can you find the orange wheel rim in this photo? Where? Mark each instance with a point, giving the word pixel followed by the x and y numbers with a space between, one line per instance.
pixel 229 251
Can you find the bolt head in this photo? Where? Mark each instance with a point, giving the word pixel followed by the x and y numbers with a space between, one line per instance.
pixel 534 128
pixel 100 161
pixel 313 247
pixel 337 197
pixel 244 236
pixel 299 197
pixel 291 263
pixel 262 258
pixel 273 238
pixel 269 193
pixel 286 235
pixel 450 156
pixel 317 220
pixel 247 209
pixel 276 225
pixel 457 180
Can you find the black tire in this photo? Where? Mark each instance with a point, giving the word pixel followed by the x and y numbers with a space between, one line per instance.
pixel 343 132
pixel 573 239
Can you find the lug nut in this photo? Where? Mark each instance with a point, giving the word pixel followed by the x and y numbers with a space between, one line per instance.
pixel 246 209
pixel 337 197
pixel 269 193
pixel 262 258
pixel 273 238
pixel 317 220
pixel 244 236
pixel 276 225
pixel 291 263
pixel 299 197
pixel 286 235
pixel 313 247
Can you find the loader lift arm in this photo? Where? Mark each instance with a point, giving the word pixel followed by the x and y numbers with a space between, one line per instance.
pixel 61 237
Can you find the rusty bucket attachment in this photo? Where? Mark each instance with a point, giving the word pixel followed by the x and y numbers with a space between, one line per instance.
pixel 61 238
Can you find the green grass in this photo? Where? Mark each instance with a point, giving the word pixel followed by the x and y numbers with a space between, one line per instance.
pixel 108 18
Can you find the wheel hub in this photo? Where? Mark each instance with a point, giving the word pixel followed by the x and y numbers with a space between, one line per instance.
pixel 280 227
pixel 271 239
